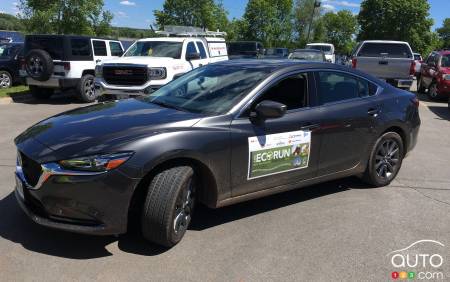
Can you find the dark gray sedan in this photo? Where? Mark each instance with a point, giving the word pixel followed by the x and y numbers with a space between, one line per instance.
pixel 220 134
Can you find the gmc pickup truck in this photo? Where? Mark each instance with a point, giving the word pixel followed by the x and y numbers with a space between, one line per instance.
pixel 392 61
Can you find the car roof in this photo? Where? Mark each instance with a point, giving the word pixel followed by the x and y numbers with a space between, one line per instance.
pixel 308 50
pixel 318 43
pixel 279 64
pixel 385 41
pixel 69 36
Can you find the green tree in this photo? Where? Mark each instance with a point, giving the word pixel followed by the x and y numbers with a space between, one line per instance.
pixel 65 16
pixel 406 20
pixel 340 28
pixel 268 21
pixel 444 33
pixel 10 22
pixel 303 11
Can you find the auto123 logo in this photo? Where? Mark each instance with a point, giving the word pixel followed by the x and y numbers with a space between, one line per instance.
pixel 417 261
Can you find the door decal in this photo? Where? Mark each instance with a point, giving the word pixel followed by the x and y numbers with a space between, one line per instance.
pixel 277 153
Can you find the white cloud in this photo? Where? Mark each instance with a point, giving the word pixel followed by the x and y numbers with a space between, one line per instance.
pixel 121 14
pixel 128 3
pixel 328 7
pixel 342 3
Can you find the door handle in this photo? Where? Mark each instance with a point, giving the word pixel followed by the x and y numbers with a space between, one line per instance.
pixel 310 126
pixel 373 112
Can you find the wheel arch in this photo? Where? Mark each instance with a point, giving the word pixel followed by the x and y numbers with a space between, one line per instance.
pixel 207 190
pixel 400 131
pixel 91 72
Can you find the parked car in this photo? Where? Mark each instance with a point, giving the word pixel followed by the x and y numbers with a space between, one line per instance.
pixel 65 62
pixel 151 63
pixel 308 55
pixel 276 53
pixel 10 63
pixel 245 50
pixel 435 75
pixel 221 134
pixel 327 48
pixel 392 61
pixel 417 64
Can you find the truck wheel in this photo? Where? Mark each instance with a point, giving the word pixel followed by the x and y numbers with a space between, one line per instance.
pixel 5 79
pixel 169 206
pixel 385 160
pixel 86 89
pixel 41 93
pixel 420 87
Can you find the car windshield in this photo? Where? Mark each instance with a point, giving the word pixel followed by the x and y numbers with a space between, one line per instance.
pixel 212 90
pixel 445 61
pixel 325 48
pixel 155 49
pixel 6 50
pixel 307 56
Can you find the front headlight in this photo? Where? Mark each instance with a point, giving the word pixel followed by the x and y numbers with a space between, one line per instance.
pixel 446 76
pixel 98 71
pixel 97 163
pixel 157 73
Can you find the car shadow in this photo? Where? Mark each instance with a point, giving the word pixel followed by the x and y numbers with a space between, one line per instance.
pixel 442 112
pixel 59 98
pixel 17 228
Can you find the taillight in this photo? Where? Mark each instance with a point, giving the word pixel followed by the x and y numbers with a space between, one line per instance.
pixel 415 101
pixel 66 66
pixel 354 61
pixel 412 68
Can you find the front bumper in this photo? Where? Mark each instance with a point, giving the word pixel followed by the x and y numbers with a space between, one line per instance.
pixel 443 88
pixel 54 82
pixel 89 204
pixel 103 88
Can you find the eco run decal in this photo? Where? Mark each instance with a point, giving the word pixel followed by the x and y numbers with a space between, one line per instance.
pixel 277 153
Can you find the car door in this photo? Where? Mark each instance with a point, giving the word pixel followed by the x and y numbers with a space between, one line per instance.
pixel 280 151
pixel 100 50
pixel 349 115
pixel 204 60
pixel 116 49
pixel 427 70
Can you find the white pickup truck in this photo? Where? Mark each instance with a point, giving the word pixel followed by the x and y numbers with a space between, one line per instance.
pixel 153 62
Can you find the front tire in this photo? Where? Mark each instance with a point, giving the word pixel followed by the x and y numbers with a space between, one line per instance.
pixel 86 89
pixel 169 206
pixel 41 93
pixel 385 160
pixel 432 91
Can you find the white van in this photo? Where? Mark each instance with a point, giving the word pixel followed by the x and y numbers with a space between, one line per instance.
pixel 327 48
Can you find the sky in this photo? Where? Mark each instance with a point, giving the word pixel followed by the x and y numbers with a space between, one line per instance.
pixel 139 13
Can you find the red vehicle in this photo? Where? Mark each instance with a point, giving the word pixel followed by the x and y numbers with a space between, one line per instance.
pixel 435 75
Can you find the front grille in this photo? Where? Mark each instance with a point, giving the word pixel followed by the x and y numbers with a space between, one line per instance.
pixel 31 169
pixel 125 75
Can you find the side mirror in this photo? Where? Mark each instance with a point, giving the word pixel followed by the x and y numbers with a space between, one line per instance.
pixel 193 56
pixel 269 109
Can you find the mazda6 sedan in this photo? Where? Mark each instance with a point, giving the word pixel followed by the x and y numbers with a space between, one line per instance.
pixel 220 134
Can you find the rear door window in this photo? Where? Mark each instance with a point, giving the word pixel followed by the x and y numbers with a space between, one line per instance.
pixel 116 48
pixel 202 50
pixel 389 50
pixel 52 45
pixel 337 86
pixel 99 48
pixel 80 47
pixel 190 48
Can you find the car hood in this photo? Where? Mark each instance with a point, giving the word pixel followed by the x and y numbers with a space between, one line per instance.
pixel 103 127
pixel 143 60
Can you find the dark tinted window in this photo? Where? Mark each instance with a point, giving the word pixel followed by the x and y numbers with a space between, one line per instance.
pixel 202 50
pixel 80 47
pixel 239 48
pixel 291 91
pixel 430 58
pixel 8 50
pixel 116 49
pixel 190 48
pixel 390 50
pixel 335 86
pixel 417 57
pixel 445 61
pixel 52 45
pixel 99 48
pixel 366 88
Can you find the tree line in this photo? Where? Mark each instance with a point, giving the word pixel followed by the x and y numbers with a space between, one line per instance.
pixel 275 23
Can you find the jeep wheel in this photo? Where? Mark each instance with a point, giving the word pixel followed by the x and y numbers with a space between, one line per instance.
pixel 385 160
pixel 41 93
pixel 432 92
pixel 169 206
pixel 5 79
pixel 86 89
pixel 39 64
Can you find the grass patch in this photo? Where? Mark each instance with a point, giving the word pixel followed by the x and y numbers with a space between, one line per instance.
pixel 14 91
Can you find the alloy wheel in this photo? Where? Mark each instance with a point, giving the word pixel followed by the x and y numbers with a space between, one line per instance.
pixel 184 208
pixel 387 159
pixel 89 88
pixel 36 66
pixel 5 80
pixel 433 90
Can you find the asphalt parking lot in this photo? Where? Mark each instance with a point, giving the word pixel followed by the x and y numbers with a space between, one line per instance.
pixel 337 231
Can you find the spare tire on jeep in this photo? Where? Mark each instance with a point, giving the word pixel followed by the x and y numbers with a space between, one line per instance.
pixel 39 64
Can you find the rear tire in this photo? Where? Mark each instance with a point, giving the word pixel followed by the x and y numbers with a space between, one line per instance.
pixel 41 93
pixel 385 160
pixel 6 80
pixel 86 89
pixel 432 91
pixel 169 206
